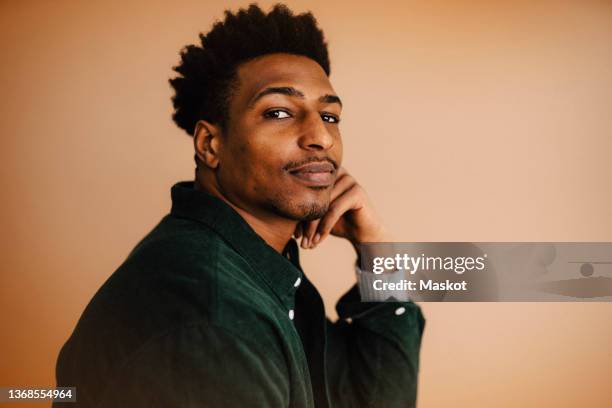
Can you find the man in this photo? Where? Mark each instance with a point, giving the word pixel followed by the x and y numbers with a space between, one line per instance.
pixel 212 308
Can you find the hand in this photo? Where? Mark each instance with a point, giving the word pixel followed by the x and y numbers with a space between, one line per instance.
pixel 350 216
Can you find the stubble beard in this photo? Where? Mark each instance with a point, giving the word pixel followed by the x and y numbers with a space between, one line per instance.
pixel 290 208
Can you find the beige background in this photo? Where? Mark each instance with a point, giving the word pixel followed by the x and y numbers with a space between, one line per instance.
pixel 466 121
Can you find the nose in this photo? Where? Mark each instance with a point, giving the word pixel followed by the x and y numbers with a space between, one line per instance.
pixel 315 135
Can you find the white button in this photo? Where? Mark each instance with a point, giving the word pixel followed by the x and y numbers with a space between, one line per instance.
pixel 291 313
pixel 400 311
pixel 297 282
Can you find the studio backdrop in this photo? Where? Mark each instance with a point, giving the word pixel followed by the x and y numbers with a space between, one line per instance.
pixel 468 121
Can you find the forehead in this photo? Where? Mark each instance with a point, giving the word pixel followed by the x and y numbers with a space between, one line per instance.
pixel 297 71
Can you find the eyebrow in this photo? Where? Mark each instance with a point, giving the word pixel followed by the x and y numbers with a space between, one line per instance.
pixel 330 99
pixel 291 91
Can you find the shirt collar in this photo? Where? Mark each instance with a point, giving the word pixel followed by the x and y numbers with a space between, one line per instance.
pixel 282 273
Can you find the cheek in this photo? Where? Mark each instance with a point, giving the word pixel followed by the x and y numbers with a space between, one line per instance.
pixel 338 150
pixel 254 161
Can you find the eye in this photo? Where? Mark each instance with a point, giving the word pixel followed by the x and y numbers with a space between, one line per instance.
pixel 277 114
pixel 330 118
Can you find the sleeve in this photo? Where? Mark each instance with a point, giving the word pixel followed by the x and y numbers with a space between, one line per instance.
pixel 199 366
pixel 373 352
pixel 366 286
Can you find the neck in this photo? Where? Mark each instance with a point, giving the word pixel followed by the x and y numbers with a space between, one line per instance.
pixel 275 230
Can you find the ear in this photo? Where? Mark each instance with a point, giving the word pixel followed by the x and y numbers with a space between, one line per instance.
pixel 206 142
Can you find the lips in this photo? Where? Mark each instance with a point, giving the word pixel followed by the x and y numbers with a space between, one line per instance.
pixel 318 174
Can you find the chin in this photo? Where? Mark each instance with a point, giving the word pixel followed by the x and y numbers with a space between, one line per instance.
pixel 313 213
pixel 306 209
pixel 312 208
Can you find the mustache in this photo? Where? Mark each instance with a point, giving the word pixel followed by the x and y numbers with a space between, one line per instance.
pixel 295 164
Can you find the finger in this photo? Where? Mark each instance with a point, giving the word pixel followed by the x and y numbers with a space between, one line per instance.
pixel 346 201
pixel 306 238
pixel 298 231
pixel 342 184
pixel 310 232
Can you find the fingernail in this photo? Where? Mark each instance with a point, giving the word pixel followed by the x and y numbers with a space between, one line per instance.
pixel 305 242
pixel 317 237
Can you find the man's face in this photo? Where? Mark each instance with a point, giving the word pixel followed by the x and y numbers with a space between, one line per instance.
pixel 282 147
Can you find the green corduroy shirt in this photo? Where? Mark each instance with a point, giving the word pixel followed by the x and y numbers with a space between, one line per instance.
pixel 203 313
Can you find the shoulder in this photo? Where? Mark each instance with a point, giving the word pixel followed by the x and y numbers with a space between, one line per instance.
pixel 181 272
pixel 181 275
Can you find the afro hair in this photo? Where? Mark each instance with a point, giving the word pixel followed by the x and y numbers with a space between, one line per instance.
pixel 207 72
